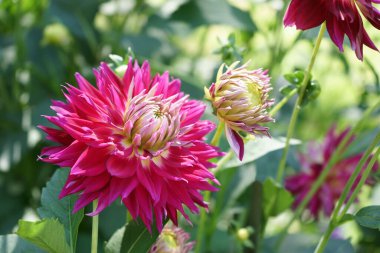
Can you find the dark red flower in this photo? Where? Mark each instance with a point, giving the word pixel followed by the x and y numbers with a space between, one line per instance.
pixel 313 163
pixel 342 18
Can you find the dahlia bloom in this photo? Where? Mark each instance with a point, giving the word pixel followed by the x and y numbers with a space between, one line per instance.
pixel 312 165
pixel 240 100
pixel 172 240
pixel 342 18
pixel 137 138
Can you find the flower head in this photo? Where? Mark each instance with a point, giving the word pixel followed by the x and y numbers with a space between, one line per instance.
pixel 240 100
pixel 312 165
pixel 172 240
pixel 136 138
pixel 342 18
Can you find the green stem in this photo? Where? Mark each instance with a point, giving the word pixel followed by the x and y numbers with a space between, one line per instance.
pixel 323 242
pixel 203 217
pixel 218 134
pixel 353 177
pixel 283 101
pixel 334 220
pixel 364 177
pixel 201 225
pixel 321 178
pixel 223 161
pixel 95 228
pixel 297 106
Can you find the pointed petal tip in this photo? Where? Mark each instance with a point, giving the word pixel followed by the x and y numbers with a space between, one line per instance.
pixel 236 142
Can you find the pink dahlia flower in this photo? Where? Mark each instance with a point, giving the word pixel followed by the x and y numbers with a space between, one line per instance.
pixel 342 18
pixel 136 138
pixel 240 100
pixel 172 240
pixel 313 163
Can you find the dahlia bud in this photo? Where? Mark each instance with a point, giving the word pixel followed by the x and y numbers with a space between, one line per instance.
pixel 240 100
pixel 172 240
pixel 56 34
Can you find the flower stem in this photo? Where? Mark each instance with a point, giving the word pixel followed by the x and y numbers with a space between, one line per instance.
pixel 95 228
pixel 203 216
pixel 322 243
pixel 219 130
pixel 283 101
pixel 297 106
pixel 353 177
pixel 223 161
pixel 364 177
pixel 334 220
pixel 321 178
pixel 201 225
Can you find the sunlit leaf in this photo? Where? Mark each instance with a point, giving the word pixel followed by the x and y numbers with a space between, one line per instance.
pixel 257 148
pixel 62 209
pixel 48 234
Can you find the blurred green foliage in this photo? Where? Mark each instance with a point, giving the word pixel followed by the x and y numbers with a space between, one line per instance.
pixel 43 43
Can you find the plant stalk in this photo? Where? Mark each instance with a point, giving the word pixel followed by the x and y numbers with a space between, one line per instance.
pixel 297 106
pixel 321 178
pixel 95 229
pixel 334 220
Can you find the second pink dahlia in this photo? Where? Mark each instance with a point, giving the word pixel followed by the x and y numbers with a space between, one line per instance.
pixel 312 165
pixel 136 138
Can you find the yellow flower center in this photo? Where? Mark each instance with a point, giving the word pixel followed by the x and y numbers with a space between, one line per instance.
pixel 254 93
pixel 170 239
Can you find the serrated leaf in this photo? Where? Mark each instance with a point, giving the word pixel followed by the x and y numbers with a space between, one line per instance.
pixel 14 244
pixel 369 217
pixel 257 148
pixel 276 198
pixel 134 237
pixel 48 234
pixel 53 207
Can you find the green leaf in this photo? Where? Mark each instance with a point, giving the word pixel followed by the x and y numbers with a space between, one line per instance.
pixel 47 234
pixel 295 78
pixel 275 198
pixel 210 12
pixel 312 92
pixel 53 207
pixel 114 244
pixel 258 148
pixel 369 217
pixel 346 217
pixel 134 237
pixel 14 244
pixel 285 90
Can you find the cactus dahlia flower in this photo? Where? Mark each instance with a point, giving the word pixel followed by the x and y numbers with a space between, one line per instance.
pixel 172 240
pixel 312 165
pixel 240 100
pixel 136 138
pixel 342 18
